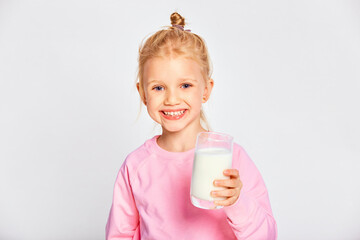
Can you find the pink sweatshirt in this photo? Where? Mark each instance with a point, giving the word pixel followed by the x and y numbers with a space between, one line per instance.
pixel 152 200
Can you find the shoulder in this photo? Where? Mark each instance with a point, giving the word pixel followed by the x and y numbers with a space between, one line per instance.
pixel 237 148
pixel 240 153
pixel 241 159
pixel 135 158
pixel 249 173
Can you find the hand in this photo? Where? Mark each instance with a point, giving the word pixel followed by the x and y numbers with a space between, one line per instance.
pixel 233 187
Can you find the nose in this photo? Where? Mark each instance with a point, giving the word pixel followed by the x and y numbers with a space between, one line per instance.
pixel 172 97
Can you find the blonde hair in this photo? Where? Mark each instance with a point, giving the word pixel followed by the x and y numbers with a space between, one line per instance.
pixel 174 41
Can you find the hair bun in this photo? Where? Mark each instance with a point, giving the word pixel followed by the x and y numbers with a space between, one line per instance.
pixel 177 19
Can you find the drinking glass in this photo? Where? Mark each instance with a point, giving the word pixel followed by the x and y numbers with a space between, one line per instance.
pixel 213 154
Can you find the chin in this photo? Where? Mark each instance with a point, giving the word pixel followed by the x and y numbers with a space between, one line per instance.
pixel 174 129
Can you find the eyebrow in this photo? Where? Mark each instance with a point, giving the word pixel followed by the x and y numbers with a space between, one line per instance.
pixel 153 81
pixel 188 79
pixel 180 80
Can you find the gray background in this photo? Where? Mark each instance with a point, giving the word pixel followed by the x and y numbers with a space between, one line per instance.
pixel 286 87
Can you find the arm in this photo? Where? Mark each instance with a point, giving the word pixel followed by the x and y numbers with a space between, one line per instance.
pixel 250 218
pixel 123 221
pixel 248 207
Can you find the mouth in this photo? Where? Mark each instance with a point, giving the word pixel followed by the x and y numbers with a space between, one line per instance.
pixel 173 115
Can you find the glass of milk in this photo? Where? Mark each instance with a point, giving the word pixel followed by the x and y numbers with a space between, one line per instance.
pixel 213 154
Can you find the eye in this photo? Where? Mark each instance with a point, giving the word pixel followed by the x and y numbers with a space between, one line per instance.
pixel 158 88
pixel 186 85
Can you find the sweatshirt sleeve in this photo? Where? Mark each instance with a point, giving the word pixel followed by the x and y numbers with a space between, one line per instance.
pixel 123 220
pixel 251 216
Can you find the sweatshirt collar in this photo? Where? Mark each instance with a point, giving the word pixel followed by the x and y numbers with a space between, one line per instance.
pixel 166 154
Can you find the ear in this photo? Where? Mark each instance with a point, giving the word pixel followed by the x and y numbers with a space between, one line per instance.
pixel 141 93
pixel 208 88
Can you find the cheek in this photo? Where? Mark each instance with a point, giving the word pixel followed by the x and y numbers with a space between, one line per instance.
pixel 152 109
pixel 153 103
pixel 150 98
pixel 195 99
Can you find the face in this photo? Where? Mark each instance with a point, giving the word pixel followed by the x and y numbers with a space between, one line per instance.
pixel 174 91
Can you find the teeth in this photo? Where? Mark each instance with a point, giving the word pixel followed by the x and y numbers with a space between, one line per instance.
pixel 174 113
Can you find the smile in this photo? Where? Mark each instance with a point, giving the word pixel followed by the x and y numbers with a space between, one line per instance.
pixel 173 115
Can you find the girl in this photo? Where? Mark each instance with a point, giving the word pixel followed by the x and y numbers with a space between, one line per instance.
pixel 151 194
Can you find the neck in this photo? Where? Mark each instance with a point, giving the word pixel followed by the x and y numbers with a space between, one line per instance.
pixel 180 141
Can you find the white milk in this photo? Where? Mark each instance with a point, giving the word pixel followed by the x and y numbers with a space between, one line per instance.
pixel 209 164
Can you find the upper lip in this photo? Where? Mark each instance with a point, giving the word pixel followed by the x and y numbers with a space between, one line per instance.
pixel 173 110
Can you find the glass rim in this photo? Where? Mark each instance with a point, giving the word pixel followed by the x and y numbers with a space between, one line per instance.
pixel 229 137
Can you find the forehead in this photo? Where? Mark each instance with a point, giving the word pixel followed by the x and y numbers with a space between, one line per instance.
pixel 171 67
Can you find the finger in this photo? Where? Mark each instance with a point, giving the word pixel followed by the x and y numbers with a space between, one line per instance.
pixel 226 202
pixel 231 172
pixel 232 183
pixel 225 193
